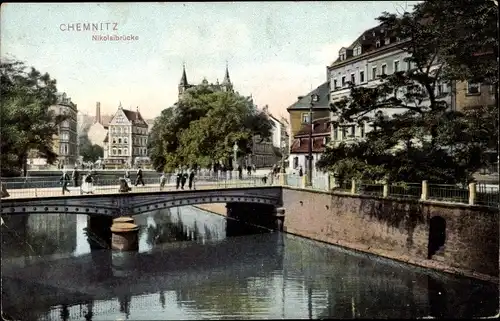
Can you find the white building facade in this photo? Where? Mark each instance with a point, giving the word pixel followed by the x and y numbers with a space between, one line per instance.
pixel 127 139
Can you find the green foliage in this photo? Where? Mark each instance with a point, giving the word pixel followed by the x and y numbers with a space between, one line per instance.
pixel 203 127
pixel 27 123
pixel 90 152
pixel 415 134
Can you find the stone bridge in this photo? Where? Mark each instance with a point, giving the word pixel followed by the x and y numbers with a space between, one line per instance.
pixel 119 204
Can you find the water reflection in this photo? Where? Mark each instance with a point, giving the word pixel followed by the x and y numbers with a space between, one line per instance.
pixel 195 265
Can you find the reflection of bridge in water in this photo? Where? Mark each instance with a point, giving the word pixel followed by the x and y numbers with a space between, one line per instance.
pixel 104 275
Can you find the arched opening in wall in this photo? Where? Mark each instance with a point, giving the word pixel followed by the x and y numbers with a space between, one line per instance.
pixel 437 235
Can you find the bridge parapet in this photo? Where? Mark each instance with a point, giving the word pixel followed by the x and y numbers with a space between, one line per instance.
pixel 119 204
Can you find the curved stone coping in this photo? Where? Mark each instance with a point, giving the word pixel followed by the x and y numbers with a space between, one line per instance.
pixel 124 227
pixel 123 219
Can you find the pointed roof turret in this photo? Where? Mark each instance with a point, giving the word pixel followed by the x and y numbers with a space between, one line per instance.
pixel 120 105
pixel 183 81
pixel 226 80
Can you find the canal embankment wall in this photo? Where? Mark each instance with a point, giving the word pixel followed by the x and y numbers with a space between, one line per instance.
pixel 451 237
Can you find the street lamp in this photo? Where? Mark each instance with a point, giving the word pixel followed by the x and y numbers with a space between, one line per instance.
pixel 314 99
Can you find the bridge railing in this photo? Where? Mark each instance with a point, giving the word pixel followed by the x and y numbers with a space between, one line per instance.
pixel 109 186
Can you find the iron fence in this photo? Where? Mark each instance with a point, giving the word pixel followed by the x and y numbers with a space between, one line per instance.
pixel 370 188
pixel 405 190
pixel 448 193
pixel 487 195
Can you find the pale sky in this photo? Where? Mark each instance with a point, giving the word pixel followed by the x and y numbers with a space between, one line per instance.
pixel 276 51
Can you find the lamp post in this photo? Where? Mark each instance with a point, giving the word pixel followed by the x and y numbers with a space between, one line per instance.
pixel 235 159
pixel 314 99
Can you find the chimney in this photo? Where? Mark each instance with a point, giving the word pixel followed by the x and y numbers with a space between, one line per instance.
pixel 98 112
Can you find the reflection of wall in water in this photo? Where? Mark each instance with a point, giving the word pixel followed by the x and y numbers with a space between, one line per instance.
pixel 14 235
pixel 204 226
pixel 58 229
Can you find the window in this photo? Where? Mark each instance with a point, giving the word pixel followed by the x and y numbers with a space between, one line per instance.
pixel 374 72
pixel 114 151
pixel 362 129
pixel 343 81
pixel 119 151
pixel 295 162
pixel 125 151
pixel 439 89
pixel 114 140
pixel 396 66
pixel 353 78
pixel 408 65
pixel 473 88
pixel 119 140
pixel 335 133
pixel 305 118
pixel 361 76
pixel 384 69
pixel 125 141
pixel 377 44
pixel 344 132
pixel 335 84
pixel 353 131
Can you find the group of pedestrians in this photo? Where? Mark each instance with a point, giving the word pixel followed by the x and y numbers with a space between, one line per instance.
pixel 85 187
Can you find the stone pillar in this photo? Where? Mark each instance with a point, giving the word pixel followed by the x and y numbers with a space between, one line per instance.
pixel 425 193
pixel 327 181
pixel 472 193
pixel 124 237
pixel 303 182
pixel 282 179
pixel 353 186
pixel 385 192
pixel 280 218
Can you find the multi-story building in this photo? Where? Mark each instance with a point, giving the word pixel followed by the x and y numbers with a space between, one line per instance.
pixel 299 151
pixel 279 136
pixel 66 140
pixel 299 122
pixel 127 139
pixel 376 52
pixel 299 111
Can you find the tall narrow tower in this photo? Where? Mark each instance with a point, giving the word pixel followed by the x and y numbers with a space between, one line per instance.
pixel 226 83
pixel 183 84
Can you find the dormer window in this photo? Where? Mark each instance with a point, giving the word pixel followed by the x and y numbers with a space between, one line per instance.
pixel 387 41
pixel 377 44
pixel 373 34
pixel 342 54
pixel 357 51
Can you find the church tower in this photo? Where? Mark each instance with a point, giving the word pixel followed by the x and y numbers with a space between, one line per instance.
pixel 183 84
pixel 226 83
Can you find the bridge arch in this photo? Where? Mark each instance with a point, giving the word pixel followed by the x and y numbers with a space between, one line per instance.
pixel 138 203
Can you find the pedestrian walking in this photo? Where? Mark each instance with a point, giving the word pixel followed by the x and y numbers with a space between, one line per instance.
pixel 163 180
pixel 178 178
pixel 75 175
pixel 65 181
pixel 88 184
pixel 191 179
pixel 184 178
pixel 240 172
pixel 249 170
pixel 139 179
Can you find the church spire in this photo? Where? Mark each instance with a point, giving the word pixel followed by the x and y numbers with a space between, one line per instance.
pixel 226 83
pixel 226 80
pixel 183 81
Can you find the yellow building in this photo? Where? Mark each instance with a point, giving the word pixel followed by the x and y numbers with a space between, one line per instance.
pixel 299 111
pixel 468 94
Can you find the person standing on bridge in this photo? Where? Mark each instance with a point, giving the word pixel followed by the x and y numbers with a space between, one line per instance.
pixel 163 180
pixel 75 175
pixel 191 179
pixel 184 177
pixel 139 177
pixel 65 181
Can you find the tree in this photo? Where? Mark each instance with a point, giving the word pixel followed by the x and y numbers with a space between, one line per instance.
pixel 27 123
pixel 203 127
pixel 424 139
pixel 90 152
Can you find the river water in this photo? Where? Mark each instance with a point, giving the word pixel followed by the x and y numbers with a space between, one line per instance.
pixel 196 265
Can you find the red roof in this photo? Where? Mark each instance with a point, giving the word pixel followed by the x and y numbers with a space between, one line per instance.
pixel 301 145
